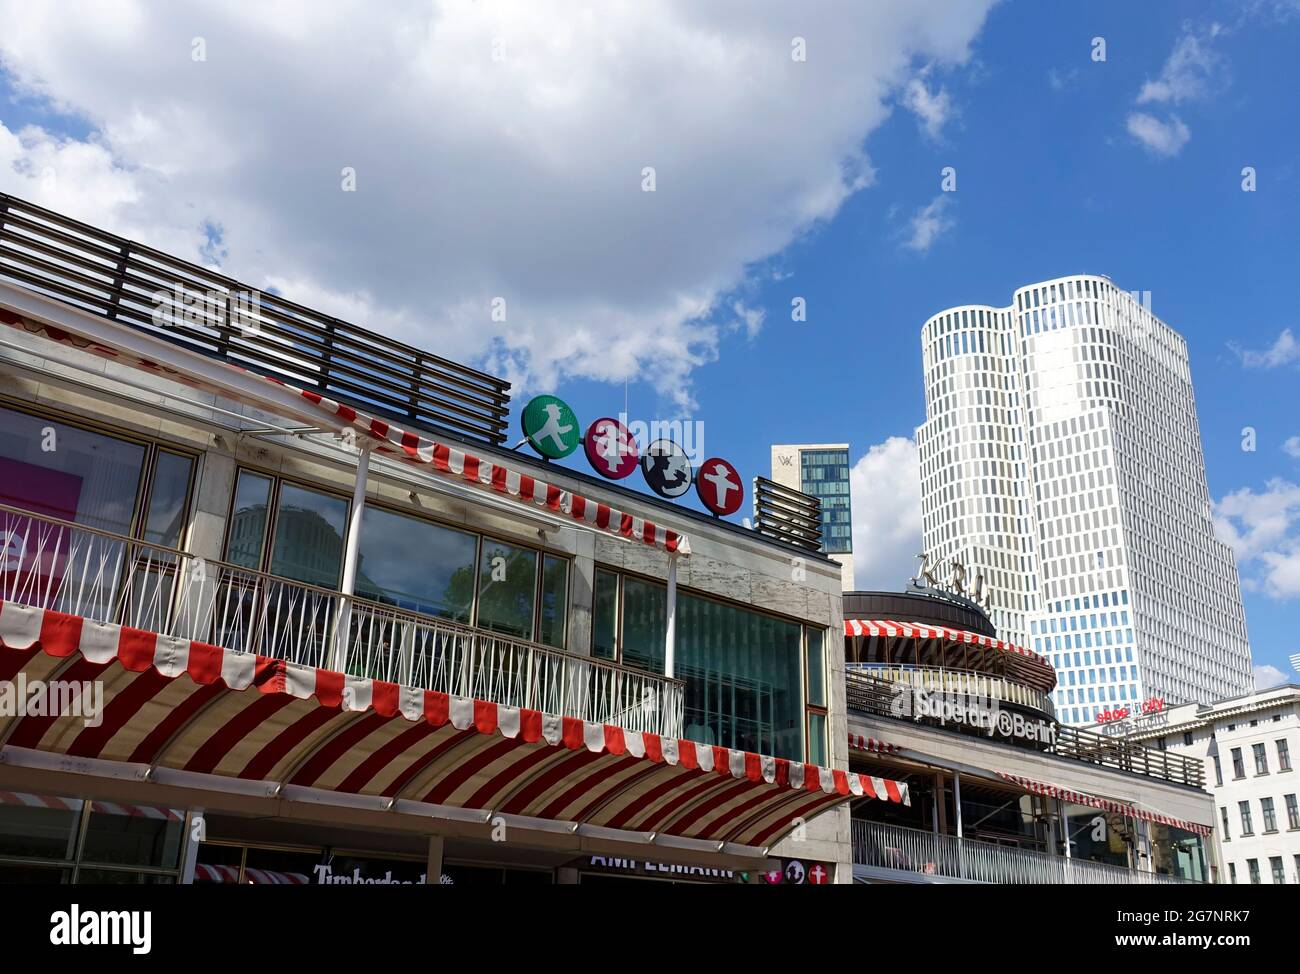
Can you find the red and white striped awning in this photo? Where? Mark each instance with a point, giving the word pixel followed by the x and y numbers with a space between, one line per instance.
pixel 204 873
pixel 917 630
pixel 1106 804
pixel 171 703
pixel 386 438
pixel 870 745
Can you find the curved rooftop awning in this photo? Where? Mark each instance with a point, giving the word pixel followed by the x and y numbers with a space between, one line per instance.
pixel 222 717
pixel 1035 669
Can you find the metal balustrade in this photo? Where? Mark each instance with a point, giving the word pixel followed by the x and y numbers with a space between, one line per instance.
pixel 204 311
pixel 908 850
pixel 50 563
pixel 942 679
pixel 869 694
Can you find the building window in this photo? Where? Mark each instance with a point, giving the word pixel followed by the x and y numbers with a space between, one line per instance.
pixel 1232 873
pixel 1261 759
pixel 1218 772
pixel 48 839
pixel 1279 876
pixel 1292 813
pixel 1252 865
pixel 744 671
pixel 815 695
pixel 1227 833
pixel 1270 817
pixel 410 562
pixel 1283 756
pixel 1187 739
pixel 1246 827
pixel 1238 765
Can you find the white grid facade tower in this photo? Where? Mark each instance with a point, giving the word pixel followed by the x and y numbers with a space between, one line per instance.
pixel 1061 458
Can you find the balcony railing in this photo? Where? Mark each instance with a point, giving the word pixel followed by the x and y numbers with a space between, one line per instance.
pixel 907 850
pixel 50 563
pixel 871 695
pixel 966 682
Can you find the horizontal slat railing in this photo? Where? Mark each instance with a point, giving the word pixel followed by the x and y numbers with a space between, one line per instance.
pixel 50 563
pixel 951 680
pixel 896 847
pixel 871 695
pixel 214 315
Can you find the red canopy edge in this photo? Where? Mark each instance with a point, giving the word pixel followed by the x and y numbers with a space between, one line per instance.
pixel 1107 804
pixel 321 729
pixel 392 440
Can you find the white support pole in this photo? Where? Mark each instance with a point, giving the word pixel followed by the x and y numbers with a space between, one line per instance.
pixel 350 548
pixel 956 801
pixel 670 628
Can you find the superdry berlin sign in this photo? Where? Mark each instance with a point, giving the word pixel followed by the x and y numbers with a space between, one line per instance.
pixel 971 711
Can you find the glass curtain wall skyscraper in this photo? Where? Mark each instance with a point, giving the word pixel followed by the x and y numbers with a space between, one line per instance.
pixel 1061 458
pixel 822 470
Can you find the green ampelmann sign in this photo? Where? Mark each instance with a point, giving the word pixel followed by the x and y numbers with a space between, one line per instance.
pixel 551 427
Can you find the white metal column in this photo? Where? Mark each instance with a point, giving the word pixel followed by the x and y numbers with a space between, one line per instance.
pixel 350 549
pixel 670 628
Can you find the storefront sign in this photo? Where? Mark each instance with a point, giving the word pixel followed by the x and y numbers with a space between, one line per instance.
pixel 611 449
pixel 799 872
pixel 660 870
pixel 719 487
pixel 1152 705
pixel 551 427
pixel 667 469
pixel 980 713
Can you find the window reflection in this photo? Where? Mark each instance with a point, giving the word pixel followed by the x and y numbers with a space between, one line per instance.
pixel 309 530
pixel 507 588
pixel 416 565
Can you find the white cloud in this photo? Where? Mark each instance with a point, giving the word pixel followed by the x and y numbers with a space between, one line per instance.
pixel 1160 138
pixel 1267 676
pixel 929 223
pixel 885 487
pixel 1284 351
pixel 1292 447
pixel 518 177
pixel 1263 529
pixel 1193 71
pixel 932 109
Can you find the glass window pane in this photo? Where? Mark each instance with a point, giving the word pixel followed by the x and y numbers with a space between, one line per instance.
pixel 816 668
pixel 171 488
pixel 743 679
pixel 555 601
pixel 309 529
pixel 102 877
pixel 38 826
pixel 248 520
pixel 416 564
pixel 817 739
pixel 507 588
pixel 66 472
pixel 644 624
pixel 16 874
pixel 134 835
pixel 604 616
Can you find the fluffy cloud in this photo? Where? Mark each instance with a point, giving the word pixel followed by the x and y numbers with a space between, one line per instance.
pixel 499 150
pixel 885 487
pixel 932 109
pixel 1159 138
pixel 1193 71
pixel 929 223
pixel 1267 676
pixel 1284 351
pixel 1263 529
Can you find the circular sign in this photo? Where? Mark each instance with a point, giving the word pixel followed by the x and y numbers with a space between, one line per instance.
pixel 666 469
pixel 550 426
pixel 611 450
pixel 719 486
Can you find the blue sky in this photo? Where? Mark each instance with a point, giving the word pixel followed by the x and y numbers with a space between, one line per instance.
pixel 775 180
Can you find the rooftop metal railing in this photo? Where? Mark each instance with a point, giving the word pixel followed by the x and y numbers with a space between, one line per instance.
pixel 907 850
pixel 869 694
pixel 206 312
pixel 944 679
pixel 51 563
